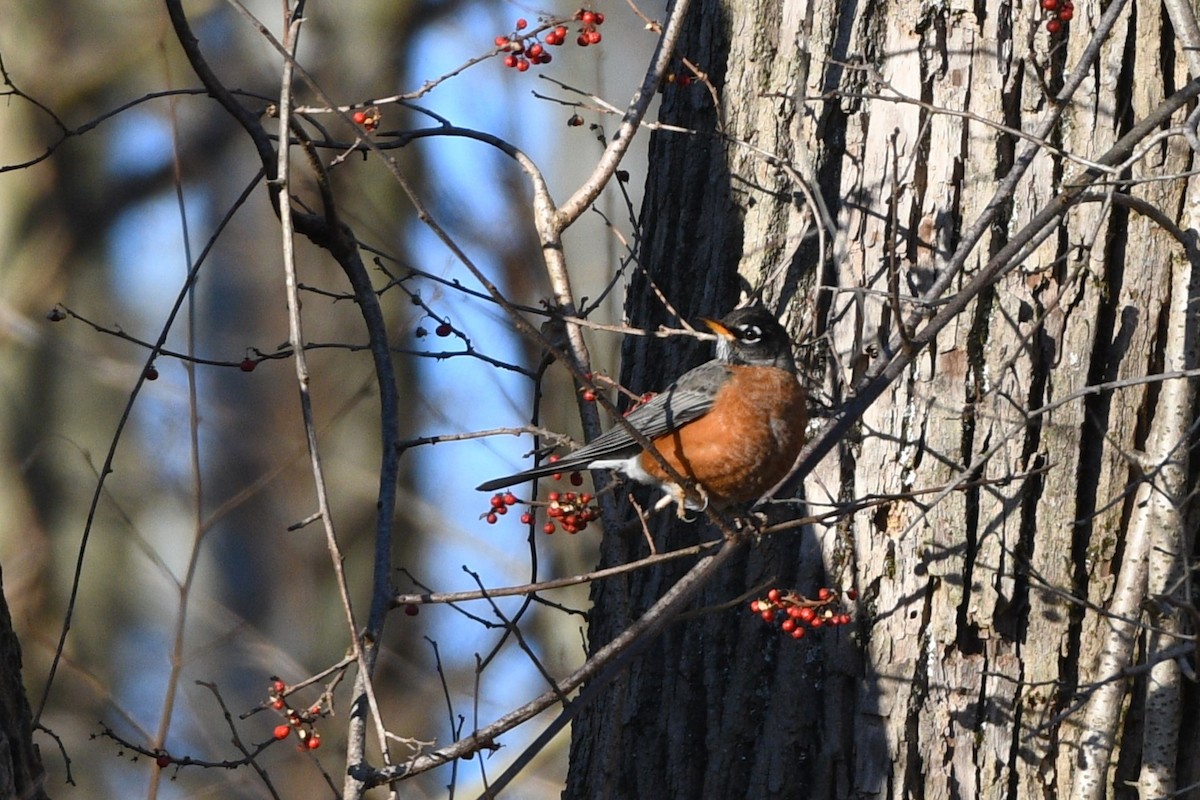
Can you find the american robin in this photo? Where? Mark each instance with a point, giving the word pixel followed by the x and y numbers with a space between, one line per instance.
pixel 732 426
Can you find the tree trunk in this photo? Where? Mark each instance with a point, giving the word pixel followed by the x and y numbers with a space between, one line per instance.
pixel 21 774
pixel 976 652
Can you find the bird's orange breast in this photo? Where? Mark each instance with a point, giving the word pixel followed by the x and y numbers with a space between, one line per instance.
pixel 746 443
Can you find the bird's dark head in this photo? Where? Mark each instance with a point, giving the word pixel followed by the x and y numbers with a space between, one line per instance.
pixel 753 337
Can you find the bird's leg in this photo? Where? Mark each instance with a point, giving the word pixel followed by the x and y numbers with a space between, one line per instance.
pixel 674 493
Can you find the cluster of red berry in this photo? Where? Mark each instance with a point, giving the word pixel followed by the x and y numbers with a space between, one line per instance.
pixel 796 614
pixel 299 721
pixel 526 49
pixel 1061 11
pixel 368 118
pixel 573 511
pixel 500 503
pixel 588 33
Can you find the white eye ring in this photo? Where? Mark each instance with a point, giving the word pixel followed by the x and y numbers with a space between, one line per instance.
pixel 751 333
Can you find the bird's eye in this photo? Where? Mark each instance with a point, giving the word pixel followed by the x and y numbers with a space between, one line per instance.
pixel 751 333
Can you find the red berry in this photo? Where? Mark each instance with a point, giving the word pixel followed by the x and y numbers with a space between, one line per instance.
pixel 589 396
pixel 773 595
pixel 521 24
pixel 852 594
pixel 522 65
pixel 593 37
pixel 1066 14
pixel 1049 5
pixel 163 761
pixel 823 593
pixel 576 478
pixel 798 632
pixel 788 625
pixel 599 18
pixel 807 614
pixel 151 373
pixel 501 41
pixel 753 606
pixel 510 499
pixel 510 61
pixel 313 742
pixel 560 33
pixel 282 731
pixel 548 528
pixel 545 58
pixel 553 497
pixel 248 364
pixel 412 609
pixel 582 41
pixel 526 518
pixel 278 686
pixel 767 615
pixel 1054 26
pixel 443 330
pixel 502 510
pixel 536 50
pixel 491 519
pixel 588 18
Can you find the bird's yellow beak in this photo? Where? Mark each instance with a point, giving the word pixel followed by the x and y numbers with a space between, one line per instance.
pixel 719 329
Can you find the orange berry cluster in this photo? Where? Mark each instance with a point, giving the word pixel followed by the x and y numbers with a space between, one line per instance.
pixel 796 614
pixel 298 720
pixel 527 49
pixel 1061 11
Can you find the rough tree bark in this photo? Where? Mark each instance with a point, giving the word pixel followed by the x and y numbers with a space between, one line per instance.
pixel 21 774
pixel 981 620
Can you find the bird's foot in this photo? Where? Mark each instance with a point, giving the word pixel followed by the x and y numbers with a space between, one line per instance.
pixel 693 499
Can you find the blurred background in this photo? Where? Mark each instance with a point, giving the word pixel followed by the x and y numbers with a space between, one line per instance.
pixel 211 468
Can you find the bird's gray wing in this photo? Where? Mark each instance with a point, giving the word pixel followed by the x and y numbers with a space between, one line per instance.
pixel 686 399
